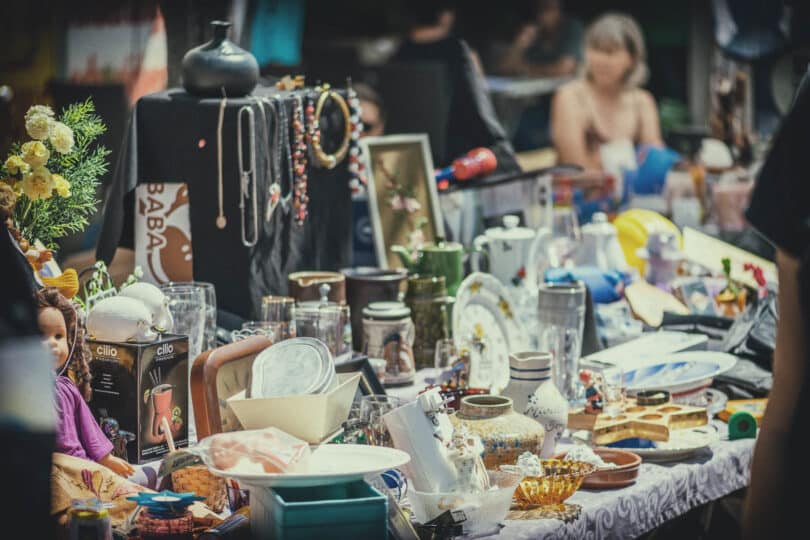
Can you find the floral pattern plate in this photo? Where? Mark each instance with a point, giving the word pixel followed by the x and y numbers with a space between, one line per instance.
pixel 484 309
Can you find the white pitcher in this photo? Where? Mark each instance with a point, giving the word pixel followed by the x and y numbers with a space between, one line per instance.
pixel 533 393
pixel 600 245
pixel 507 250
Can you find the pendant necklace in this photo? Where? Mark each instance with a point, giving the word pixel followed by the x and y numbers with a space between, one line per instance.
pixel 247 187
pixel 221 221
pixel 272 156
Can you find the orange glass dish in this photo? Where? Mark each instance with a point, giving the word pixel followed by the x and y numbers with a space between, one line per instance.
pixel 561 479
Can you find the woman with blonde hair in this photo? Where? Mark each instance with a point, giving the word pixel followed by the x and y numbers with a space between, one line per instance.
pixel 606 104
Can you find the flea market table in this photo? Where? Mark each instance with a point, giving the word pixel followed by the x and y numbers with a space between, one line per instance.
pixel 662 492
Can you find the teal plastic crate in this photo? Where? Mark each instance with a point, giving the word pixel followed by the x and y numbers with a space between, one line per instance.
pixel 352 510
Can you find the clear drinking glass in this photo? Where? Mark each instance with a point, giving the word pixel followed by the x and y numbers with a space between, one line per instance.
pixel 210 331
pixel 561 314
pixel 280 309
pixel 565 237
pixel 446 353
pixel 188 308
pixel 614 390
pixel 372 409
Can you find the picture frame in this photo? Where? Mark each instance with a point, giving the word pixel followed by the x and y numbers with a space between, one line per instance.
pixel 369 383
pixel 402 197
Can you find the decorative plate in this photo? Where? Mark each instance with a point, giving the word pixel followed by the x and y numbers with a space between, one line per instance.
pixel 677 373
pixel 330 464
pixel 484 309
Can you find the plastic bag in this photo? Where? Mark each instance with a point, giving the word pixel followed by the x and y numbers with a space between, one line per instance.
pixel 257 451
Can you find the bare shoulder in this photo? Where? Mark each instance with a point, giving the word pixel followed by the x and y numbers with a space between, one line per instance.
pixel 646 99
pixel 568 98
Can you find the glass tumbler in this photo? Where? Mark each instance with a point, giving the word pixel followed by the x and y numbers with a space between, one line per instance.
pixel 561 314
pixel 613 390
pixel 280 309
pixel 372 410
pixel 210 332
pixel 188 308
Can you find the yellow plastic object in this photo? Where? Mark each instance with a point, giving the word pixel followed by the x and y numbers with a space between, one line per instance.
pixel 559 481
pixel 634 227
pixel 67 282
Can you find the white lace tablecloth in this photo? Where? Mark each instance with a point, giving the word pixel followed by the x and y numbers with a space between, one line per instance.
pixel 662 492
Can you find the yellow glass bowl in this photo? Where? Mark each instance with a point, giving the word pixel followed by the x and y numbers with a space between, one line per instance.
pixel 560 481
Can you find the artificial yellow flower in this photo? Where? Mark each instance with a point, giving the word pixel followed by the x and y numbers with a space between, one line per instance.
pixel 35 154
pixel 62 186
pixel 39 109
pixel 38 184
pixel 15 164
pixel 61 137
pixel 38 126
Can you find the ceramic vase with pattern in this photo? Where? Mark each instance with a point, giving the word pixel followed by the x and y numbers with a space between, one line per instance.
pixel 535 395
pixel 504 433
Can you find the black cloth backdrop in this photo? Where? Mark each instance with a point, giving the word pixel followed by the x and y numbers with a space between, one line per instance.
pixel 162 144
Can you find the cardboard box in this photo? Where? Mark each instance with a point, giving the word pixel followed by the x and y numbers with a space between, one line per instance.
pixel 312 417
pixel 138 384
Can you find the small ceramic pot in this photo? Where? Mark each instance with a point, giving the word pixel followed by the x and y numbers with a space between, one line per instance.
pixel 305 286
pixel 505 433
pixel 219 66
pixel 365 285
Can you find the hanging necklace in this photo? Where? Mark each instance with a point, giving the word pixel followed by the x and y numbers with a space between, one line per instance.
pixel 300 198
pixel 284 146
pixel 272 156
pixel 245 175
pixel 357 170
pixel 221 221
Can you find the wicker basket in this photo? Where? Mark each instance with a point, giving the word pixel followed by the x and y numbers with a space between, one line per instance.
pixel 197 479
pixel 200 480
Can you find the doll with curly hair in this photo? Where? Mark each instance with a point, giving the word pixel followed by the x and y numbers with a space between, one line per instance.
pixel 77 434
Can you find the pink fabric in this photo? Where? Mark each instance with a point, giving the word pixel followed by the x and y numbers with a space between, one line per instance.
pixel 77 432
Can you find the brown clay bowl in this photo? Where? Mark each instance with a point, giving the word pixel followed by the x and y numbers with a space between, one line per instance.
pixel 622 476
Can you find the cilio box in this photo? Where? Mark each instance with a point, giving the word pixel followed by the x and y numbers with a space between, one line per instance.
pixel 310 417
pixel 135 387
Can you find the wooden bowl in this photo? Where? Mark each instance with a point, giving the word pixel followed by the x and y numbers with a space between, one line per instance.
pixel 622 476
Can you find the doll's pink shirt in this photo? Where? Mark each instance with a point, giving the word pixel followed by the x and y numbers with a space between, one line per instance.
pixel 77 432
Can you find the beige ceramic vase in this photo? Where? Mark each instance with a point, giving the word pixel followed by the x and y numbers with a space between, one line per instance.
pixel 505 433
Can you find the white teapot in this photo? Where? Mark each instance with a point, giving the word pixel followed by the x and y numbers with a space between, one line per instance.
pixel 119 319
pixel 154 299
pixel 600 245
pixel 507 250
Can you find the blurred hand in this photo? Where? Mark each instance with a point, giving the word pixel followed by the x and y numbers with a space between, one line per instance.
pixel 117 465
pixel 526 36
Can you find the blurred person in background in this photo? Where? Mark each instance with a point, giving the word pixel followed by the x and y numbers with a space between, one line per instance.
pixel 372 110
pixel 471 121
pixel 549 46
pixel 606 104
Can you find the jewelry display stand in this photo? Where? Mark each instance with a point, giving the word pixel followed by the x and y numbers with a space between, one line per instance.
pixel 175 137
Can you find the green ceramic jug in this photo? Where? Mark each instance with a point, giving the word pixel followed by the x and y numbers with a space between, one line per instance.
pixel 436 259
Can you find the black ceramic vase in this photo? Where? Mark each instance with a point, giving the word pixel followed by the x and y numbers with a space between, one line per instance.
pixel 219 64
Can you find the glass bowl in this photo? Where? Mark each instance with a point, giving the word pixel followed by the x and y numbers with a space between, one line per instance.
pixel 483 510
pixel 560 481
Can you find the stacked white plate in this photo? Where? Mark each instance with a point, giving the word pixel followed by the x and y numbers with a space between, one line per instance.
pixel 295 366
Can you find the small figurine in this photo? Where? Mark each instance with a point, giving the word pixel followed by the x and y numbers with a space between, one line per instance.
pixel 77 433
pixel 732 299
pixel 594 401
pixel 465 452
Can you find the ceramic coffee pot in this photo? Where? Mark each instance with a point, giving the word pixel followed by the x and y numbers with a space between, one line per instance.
pixel 506 249
pixel 600 245
pixel 441 259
